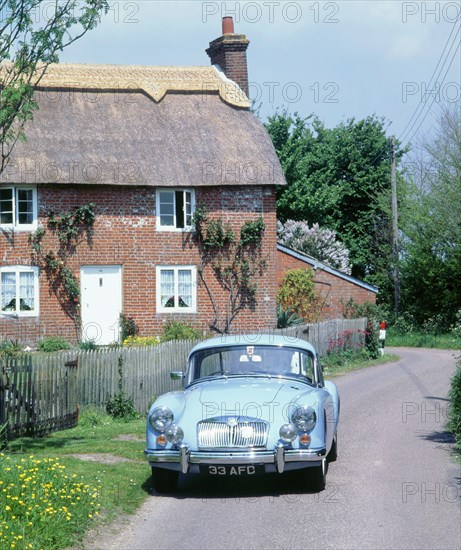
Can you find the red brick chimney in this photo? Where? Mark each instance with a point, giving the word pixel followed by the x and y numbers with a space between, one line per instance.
pixel 229 52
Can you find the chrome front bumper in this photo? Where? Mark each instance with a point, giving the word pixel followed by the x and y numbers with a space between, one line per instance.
pixel 278 460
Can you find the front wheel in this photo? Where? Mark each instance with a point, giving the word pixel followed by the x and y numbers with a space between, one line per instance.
pixel 318 476
pixel 164 481
pixel 333 454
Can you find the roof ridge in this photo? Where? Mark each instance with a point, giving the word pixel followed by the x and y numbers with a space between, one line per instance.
pixel 154 80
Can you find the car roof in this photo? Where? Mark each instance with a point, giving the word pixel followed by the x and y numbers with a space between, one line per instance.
pixel 275 340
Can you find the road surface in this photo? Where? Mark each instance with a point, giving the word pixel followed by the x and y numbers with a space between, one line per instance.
pixel 395 484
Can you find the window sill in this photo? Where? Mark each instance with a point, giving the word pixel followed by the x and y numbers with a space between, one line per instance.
pixel 20 315
pixel 177 310
pixel 19 228
pixel 165 229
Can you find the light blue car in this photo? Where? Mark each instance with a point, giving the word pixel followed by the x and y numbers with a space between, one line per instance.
pixel 251 404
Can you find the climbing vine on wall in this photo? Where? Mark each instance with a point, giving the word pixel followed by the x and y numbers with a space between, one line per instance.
pixel 70 229
pixel 235 260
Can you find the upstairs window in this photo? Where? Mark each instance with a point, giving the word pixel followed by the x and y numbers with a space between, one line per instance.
pixel 175 208
pixel 18 208
pixel 19 290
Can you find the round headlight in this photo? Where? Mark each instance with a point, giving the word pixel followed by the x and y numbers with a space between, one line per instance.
pixel 304 418
pixel 161 419
pixel 174 434
pixel 288 433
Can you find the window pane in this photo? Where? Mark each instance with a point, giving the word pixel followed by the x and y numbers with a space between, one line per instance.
pixel 185 288
pixel 8 292
pixel 6 206
pixel 25 206
pixel 166 208
pixel 167 288
pixel 26 291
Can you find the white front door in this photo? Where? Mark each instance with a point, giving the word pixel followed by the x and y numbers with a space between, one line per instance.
pixel 101 303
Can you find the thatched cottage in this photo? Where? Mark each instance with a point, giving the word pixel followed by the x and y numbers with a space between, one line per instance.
pixel 146 146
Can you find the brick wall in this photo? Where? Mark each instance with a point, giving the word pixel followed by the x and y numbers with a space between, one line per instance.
pixel 125 234
pixel 331 288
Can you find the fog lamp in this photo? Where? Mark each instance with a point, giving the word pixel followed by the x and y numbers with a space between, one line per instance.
pixel 288 433
pixel 174 434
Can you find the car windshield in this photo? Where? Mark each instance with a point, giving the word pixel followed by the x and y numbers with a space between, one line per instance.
pixel 251 360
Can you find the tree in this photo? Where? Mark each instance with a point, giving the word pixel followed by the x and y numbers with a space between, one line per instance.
pixel 32 33
pixel 340 179
pixel 315 241
pixel 431 272
pixel 297 293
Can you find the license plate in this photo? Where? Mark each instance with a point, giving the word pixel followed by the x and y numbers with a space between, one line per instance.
pixel 231 470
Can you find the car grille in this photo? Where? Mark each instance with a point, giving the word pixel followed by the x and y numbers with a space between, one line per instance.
pixel 231 433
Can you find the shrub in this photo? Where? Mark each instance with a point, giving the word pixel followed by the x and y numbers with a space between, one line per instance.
pixel 88 345
pixel 374 315
pixel 455 328
pixel 128 327
pixel 53 343
pixel 454 413
pixel 10 348
pixel 297 293
pixel 122 407
pixel 140 341
pixel 175 330
pixel 287 318
pixel 93 416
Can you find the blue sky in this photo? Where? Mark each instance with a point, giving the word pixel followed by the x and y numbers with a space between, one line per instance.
pixel 338 59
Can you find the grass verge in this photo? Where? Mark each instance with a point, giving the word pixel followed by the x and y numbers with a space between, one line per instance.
pixel 49 502
pixel 422 340
pixel 341 364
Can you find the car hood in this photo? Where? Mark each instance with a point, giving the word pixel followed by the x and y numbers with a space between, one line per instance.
pixel 258 397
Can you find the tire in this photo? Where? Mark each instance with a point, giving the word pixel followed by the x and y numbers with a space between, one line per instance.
pixel 318 476
pixel 333 454
pixel 164 481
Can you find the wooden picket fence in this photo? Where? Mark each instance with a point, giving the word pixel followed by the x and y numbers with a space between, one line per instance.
pixel 41 393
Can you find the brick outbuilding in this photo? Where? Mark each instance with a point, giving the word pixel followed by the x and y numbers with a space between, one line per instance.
pixel 333 286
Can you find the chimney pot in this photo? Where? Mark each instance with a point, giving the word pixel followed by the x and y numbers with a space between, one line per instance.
pixel 227 25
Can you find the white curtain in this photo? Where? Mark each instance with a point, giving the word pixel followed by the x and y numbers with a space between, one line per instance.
pixel 167 288
pixel 185 287
pixel 8 296
pixel 26 291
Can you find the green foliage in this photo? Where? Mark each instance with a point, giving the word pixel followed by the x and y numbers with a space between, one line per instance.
pixel 431 259
pixel 297 293
pixel 88 345
pixel 93 416
pixel 374 314
pixel 121 407
pixel 234 263
pixel 28 45
pixel 340 179
pixel 287 318
pixel 454 412
pixel 455 328
pixel 128 327
pixel 251 232
pixel 52 344
pixel 175 330
pixel 10 348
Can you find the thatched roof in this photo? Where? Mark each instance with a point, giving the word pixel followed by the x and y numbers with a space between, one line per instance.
pixel 158 126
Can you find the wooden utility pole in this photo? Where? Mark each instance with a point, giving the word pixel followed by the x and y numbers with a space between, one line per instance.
pixel 395 231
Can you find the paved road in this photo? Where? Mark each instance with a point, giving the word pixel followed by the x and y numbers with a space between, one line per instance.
pixel 393 486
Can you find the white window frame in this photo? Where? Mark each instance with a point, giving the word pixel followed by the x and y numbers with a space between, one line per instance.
pixel 176 268
pixel 16 226
pixel 173 228
pixel 17 269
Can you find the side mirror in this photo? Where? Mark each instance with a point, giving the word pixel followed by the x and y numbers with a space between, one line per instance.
pixel 177 375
